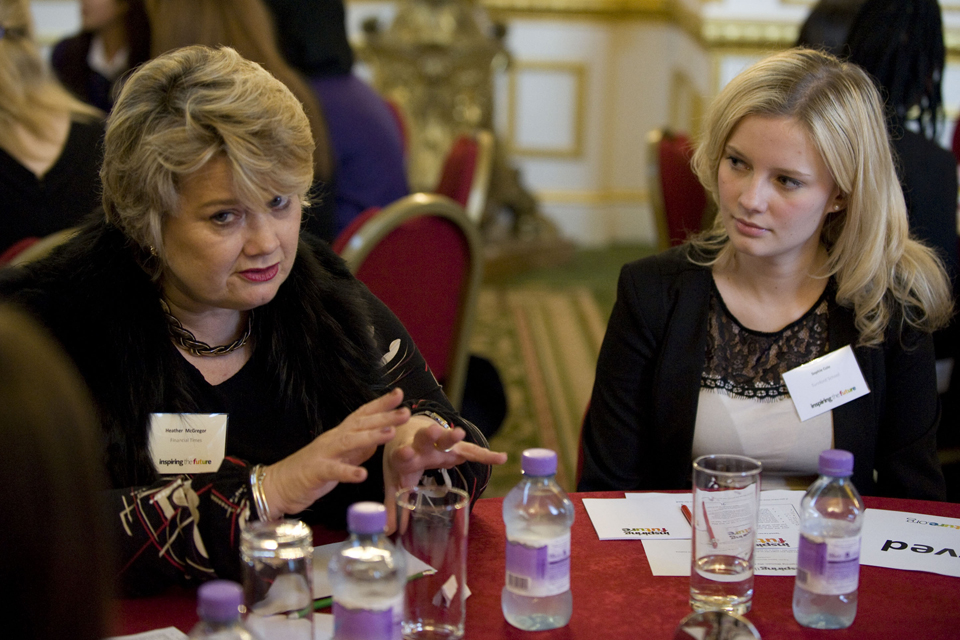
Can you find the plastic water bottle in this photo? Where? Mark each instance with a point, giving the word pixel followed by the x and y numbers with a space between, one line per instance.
pixel 828 562
pixel 218 605
pixel 538 516
pixel 368 576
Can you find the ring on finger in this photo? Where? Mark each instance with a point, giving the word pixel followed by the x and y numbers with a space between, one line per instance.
pixel 436 445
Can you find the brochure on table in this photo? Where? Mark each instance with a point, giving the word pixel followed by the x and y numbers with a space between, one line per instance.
pixel 657 519
pixel 892 539
pixel 911 541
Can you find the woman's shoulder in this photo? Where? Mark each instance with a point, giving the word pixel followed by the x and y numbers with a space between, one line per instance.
pixel 672 263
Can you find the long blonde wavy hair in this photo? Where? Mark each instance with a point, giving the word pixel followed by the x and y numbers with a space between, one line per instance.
pixel 30 96
pixel 881 273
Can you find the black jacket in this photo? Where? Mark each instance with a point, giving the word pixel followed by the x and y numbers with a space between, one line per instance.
pixel 319 342
pixel 638 433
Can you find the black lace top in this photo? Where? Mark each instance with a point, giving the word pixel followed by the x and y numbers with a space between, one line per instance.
pixel 750 364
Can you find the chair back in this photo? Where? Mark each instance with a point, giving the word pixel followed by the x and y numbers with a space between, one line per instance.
pixel 16 249
pixel 465 177
pixel 422 258
pixel 31 249
pixel 679 200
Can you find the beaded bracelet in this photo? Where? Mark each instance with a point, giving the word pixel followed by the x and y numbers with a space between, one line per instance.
pixel 436 417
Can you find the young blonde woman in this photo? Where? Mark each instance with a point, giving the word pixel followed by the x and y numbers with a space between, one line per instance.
pixel 49 140
pixel 809 253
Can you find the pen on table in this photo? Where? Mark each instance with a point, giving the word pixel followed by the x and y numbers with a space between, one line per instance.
pixel 686 514
pixel 323 603
pixel 706 521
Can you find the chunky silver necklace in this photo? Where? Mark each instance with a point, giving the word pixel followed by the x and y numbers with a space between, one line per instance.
pixel 187 341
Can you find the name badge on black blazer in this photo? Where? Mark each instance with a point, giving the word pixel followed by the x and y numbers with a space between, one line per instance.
pixel 187 442
pixel 826 383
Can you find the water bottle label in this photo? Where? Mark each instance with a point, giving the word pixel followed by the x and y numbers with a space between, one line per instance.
pixel 539 571
pixel 830 567
pixel 367 624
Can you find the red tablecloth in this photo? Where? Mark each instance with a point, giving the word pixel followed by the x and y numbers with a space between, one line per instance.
pixel 615 596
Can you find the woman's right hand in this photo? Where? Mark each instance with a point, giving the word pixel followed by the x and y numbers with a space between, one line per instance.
pixel 302 478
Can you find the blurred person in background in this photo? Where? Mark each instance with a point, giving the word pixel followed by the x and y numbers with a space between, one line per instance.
pixel 59 562
pixel 828 24
pixel 900 44
pixel 114 38
pixel 49 140
pixel 247 26
pixel 367 141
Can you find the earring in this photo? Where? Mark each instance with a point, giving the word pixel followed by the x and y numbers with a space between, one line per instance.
pixel 152 250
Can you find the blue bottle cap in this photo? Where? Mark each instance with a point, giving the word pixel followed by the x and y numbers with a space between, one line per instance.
pixel 539 462
pixel 837 463
pixel 367 517
pixel 219 600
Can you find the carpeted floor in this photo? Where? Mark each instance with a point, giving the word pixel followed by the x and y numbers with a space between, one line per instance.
pixel 542 329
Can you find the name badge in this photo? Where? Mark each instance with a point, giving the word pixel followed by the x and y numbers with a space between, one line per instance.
pixel 187 442
pixel 825 383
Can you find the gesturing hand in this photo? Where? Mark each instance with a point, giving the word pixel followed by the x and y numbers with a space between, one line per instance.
pixel 422 444
pixel 302 478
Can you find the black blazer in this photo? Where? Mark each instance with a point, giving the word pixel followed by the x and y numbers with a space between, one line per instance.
pixel 638 433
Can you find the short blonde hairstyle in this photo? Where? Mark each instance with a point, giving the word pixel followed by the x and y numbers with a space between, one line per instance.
pixel 881 273
pixel 247 26
pixel 30 95
pixel 185 108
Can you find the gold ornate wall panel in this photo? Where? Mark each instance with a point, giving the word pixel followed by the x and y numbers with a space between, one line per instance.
pixel 565 82
pixel 686 104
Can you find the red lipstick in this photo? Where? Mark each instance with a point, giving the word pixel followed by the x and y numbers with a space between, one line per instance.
pixel 261 275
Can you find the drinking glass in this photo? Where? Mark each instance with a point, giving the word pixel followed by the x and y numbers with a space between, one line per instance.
pixel 726 501
pixel 432 526
pixel 277 576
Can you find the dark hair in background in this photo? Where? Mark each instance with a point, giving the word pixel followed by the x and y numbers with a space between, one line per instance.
pixel 58 564
pixel 828 24
pixel 138 33
pixel 313 35
pixel 900 44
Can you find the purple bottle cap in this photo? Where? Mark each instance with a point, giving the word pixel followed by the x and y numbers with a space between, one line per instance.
pixel 367 517
pixel 539 462
pixel 219 600
pixel 837 463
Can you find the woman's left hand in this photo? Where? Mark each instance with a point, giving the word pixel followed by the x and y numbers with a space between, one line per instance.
pixel 422 444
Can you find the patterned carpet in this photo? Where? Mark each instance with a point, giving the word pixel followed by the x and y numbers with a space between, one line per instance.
pixel 543 330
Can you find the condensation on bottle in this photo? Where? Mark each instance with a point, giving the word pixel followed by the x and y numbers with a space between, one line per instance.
pixel 219 607
pixel 828 562
pixel 368 576
pixel 538 516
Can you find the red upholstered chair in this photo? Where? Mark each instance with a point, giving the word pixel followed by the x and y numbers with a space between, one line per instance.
pixel 679 200
pixel 466 172
pixel 15 249
pixel 30 249
pixel 422 258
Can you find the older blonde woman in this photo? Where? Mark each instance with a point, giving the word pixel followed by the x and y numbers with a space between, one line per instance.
pixel 49 140
pixel 195 296
pixel 810 253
